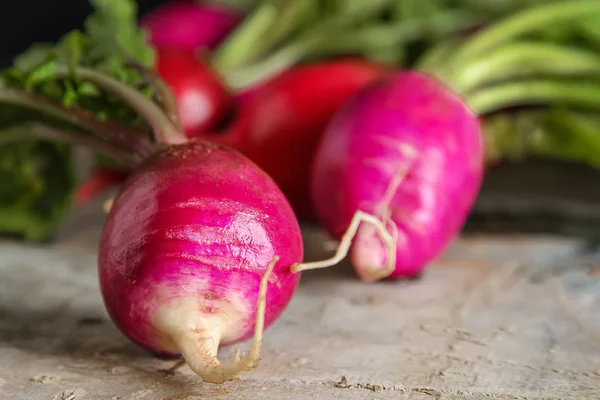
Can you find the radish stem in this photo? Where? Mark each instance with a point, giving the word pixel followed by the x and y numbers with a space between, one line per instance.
pixel 346 242
pixel 236 48
pixel 532 92
pixel 524 22
pixel 390 35
pixel 164 130
pixel 33 130
pixel 164 95
pixel 320 42
pixel 525 58
pixel 127 138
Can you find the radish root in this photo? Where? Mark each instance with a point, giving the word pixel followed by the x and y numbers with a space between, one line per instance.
pixel 202 359
pixel 373 274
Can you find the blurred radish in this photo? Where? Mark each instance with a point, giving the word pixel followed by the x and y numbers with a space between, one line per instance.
pixel 189 25
pixel 201 97
pixel 407 153
pixel 102 179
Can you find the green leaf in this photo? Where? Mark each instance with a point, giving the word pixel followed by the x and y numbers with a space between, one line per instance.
pixel 38 180
pixel 37 176
pixel 113 28
pixel 37 54
pixel 40 74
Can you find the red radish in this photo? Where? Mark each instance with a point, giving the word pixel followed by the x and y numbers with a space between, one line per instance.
pixel 281 120
pixel 189 25
pixel 408 152
pixel 100 180
pixel 202 99
pixel 184 248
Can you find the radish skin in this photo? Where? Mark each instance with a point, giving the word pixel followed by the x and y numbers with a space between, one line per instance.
pixel 409 152
pixel 188 240
pixel 201 97
pixel 189 25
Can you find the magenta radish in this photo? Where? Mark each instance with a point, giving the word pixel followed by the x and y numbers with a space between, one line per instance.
pixel 190 25
pixel 183 250
pixel 406 153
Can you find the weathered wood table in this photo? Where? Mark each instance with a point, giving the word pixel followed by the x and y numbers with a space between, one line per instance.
pixel 498 317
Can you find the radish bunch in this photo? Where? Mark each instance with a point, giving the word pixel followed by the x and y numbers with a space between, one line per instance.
pixel 202 244
pixel 352 141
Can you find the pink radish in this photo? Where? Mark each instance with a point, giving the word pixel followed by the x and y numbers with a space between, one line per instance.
pixel 186 25
pixel 407 155
pixel 184 248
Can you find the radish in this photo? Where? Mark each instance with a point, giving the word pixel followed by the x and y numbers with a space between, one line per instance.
pixel 185 243
pixel 189 25
pixel 183 250
pixel 201 98
pixel 408 152
pixel 103 178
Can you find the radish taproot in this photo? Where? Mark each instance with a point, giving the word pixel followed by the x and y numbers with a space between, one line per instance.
pixel 409 152
pixel 190 25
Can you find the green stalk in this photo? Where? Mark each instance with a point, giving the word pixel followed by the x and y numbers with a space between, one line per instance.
pixel 240 45
pixel 33 130
pixel 281 60
pixel 525 58
pixel 572 137
pixel 163 128
pixel 524 22
pixel 555 134
pixel 390 35
pixel 290 19
pixel 136 142
pixel 345 41
pixel 535 92
pixel 162 92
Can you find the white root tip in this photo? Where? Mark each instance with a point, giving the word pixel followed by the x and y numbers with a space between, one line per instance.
pixel 200 351
pixel 370 274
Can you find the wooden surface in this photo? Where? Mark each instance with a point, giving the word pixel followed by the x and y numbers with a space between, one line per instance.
pixel 498 317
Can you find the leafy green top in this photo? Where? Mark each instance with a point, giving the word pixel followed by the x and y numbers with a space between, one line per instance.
pixel 38 175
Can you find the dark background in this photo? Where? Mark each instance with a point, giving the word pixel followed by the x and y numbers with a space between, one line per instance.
pixel 23 22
